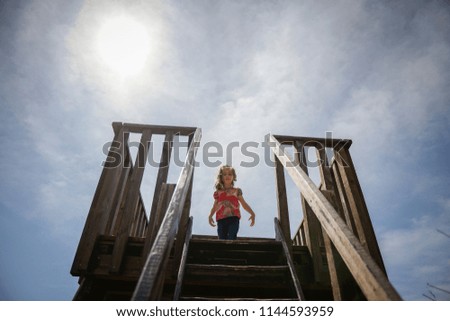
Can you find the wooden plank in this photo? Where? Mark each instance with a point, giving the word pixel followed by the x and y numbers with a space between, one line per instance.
pixel 288 254
pixel 125 185
pixel 333 258
pixel 282 202
pixel 139 218
pixel 165 196
pixel 313 141
pixel 131 202
pixel 328 188
pixel 334 276
pixel 121 187
pixel 183 260
pixel 342 197
pixel 371 279
pixel 157 259
pixel 358 208
pixel 183 225
pixel 158 129
pixel 100 210
pixel 143 222
pixel 312 226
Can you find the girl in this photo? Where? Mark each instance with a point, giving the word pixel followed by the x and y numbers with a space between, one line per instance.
pixel 226 205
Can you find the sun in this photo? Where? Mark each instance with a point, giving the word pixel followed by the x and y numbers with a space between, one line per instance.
pixel 123 45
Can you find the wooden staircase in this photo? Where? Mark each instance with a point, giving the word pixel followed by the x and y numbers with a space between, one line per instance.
pixel 128 253
pixel 245 269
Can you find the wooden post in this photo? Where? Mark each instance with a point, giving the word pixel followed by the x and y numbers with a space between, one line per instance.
pixel 121 186
pixel 342 197
pixel 283 211
pixel 312 226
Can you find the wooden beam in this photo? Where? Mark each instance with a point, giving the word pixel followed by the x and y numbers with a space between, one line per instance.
pixel 313 141
pixel 165 196
pixel 371 279
pixel 158 129
pixel 182 227
pixel 342 197
pixel 183 259
pixel 282 202
pixel 290 262
pixel 312 226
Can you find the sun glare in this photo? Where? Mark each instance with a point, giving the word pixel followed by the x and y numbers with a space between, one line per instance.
pixel 123 45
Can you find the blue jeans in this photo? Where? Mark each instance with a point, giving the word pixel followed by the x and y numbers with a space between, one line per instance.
pixel 228 228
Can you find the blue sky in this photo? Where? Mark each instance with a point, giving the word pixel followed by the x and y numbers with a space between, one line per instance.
pixel 375 72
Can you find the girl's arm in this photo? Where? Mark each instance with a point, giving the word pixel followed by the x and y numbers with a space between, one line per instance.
pixel 248 209
pixel 211 213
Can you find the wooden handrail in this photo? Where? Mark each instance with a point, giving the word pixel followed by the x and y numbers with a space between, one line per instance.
pixel 369 276
pixel 183 260
pixel 146 288
pixel 280 237
pixel 159 129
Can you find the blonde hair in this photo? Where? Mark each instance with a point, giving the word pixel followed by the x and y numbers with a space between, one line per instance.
pixel 219 182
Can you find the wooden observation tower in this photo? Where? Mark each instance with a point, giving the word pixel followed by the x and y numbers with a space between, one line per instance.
pixel 128 252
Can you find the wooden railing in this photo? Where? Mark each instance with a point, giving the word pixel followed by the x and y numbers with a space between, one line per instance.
pixel 151 281
pixel 295 280
pixel 118 210
pixel 334 215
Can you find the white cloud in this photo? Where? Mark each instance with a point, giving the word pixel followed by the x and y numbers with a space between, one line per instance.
pixel 418 254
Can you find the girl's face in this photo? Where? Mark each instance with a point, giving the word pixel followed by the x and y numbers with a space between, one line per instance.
pixel 227 176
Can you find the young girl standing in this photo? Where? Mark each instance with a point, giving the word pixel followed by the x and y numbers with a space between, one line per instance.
pixel 227 199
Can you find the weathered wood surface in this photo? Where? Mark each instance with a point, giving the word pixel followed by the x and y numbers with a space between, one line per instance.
pixel 158 129
pixel 369 276
pixel 162 203
pixel 288 253
pixel 181 270
pixel 313 141
pixel 312 226
pixel 282 202
pixel 117 207
pixel 358 208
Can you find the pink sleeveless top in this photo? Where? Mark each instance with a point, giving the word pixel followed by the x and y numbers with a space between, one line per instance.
pixel 228 203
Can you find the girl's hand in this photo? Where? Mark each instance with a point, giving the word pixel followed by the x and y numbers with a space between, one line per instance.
pixel 211 222
pixel 252 220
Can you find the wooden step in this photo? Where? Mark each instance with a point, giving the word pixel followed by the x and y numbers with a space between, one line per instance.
pixel 186 298
pixel 224 282
pixel 238 252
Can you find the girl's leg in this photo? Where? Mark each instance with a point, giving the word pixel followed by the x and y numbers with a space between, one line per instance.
pixel 222 229
pixel 233 228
